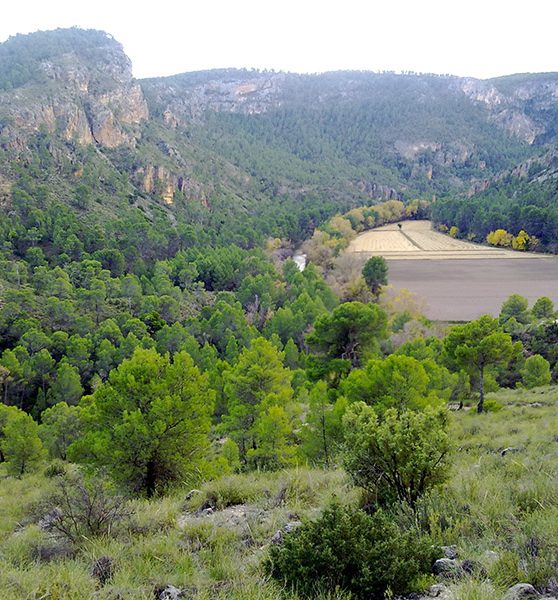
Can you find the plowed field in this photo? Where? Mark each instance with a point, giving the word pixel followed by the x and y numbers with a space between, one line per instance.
pixel 416 239
pixel 457 280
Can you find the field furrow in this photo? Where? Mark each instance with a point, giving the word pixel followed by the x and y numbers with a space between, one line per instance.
pixel 417 240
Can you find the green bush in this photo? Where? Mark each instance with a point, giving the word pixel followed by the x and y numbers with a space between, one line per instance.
pixel 350 550
pixel 536 372
pixel 492 405
pixel 399 457
pixel 55 469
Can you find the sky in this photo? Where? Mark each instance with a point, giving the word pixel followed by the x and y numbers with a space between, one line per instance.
pixel 476 38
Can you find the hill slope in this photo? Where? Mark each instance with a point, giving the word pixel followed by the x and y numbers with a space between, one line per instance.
pixel 499 509
pixel 234 151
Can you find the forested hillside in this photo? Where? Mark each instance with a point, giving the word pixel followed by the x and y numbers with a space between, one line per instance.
pixel 522 199
pixel 185 413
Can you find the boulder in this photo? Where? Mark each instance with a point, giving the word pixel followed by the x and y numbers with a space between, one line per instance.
pixel 449 552
pixel 473 567
pixel 521 591
pixel 278 536
pixel 448 568
pixel 509 451
pixel 191 494
pixel 169 592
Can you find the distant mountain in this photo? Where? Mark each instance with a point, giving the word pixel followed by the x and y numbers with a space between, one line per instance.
pixel 221 147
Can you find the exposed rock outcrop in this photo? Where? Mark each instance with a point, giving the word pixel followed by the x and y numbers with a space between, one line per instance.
pixel 517 103
pixel 521 591
pixel 187 97
pixel 87 97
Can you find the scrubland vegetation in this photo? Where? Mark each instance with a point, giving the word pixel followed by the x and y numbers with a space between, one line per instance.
pixel 219 424
pixel 498 506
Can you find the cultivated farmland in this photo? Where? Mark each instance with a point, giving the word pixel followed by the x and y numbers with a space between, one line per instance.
pixel 417 240
pixel 457 280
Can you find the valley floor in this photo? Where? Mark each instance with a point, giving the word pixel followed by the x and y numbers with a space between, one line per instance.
pixel 416 240
pixel 462 290
pixel 456 280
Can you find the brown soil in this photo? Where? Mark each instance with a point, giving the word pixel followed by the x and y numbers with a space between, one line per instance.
pixel 458 290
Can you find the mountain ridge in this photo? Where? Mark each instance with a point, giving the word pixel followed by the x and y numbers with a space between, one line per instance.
pixel 252 142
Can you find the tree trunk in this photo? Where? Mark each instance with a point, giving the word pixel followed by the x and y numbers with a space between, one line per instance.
pixel 324 438
pixel 150 478
pixel 480 405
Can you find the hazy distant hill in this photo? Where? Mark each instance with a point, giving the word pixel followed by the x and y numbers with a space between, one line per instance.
pixel 213 148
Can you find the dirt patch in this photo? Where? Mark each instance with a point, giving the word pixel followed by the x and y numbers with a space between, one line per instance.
pixel 458 290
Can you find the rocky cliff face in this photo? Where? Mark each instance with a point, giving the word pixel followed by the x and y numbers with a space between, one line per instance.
pixel 520 104
pixel 519 108
pixel 365 135
pixel 84 97
pixel 185 98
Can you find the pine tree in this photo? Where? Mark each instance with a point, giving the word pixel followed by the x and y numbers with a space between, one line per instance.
pixel 148 424
pixel 257 382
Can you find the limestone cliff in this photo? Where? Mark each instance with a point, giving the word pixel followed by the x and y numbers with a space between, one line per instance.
pixel 185 98
pixel 84 93
pixel 523 105
pixel 71 110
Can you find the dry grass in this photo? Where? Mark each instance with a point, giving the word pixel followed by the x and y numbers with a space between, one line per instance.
pixel 501 511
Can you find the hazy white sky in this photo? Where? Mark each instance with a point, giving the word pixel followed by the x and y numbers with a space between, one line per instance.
pixel 480 38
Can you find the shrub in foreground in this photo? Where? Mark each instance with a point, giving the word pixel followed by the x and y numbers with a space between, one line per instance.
pixel 348 549
pixel 84 508
pixel 399 457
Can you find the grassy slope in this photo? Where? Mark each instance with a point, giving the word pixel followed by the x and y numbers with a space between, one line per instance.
pixel 501 511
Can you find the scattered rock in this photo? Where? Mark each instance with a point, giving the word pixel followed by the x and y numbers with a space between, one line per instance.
pixel 191 494
pixel 205 512
pixel 449 552
pixel 439 590
pixel 239 518
pixel 521 591
pixel 103 569
pixel 279 498
pixel 205 509
pixel 278 536
pixel 52 551
pixel 473 567
pixel 47 521
pixel 491 556
pixel 509 451
pixel 169 592
pixel 448 568
pixel 552 586
pixel 535 404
